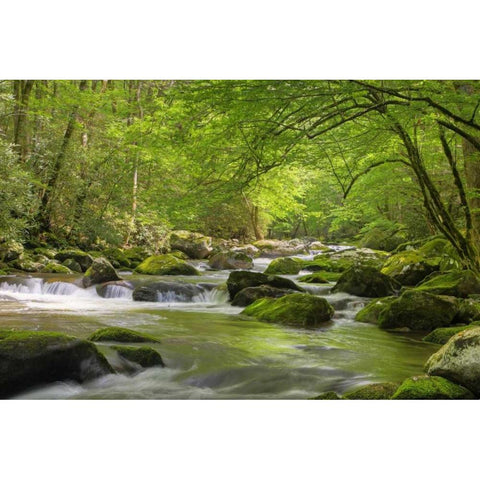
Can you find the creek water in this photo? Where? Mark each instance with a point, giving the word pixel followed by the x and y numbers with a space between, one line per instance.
pixel 209 348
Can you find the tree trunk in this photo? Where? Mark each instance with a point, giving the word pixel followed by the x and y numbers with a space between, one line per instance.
pixel 21 91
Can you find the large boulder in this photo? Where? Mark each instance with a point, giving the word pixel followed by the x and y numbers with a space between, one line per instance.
pixel 167 292
pixel 117 257
pixel 166 265
pixel 299 309
pixel 82 258
pixel 284 266
pixel 374 391
pixel 230 261
pixel 238 280
pixel 195 245
pixel 371 312
pixel 458 284
pixel 426 387
pixel 459 360
pixel 52 267
pixel 122 335
pixel 72 265
pixel 250 294
pixel 345 259
pixel 366 282
pixel 30 359
pixel 418 311
pixel 100 271
pixel 10 250
pixel 381 239
pixel 27 264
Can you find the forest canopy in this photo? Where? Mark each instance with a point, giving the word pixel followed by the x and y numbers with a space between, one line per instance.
pixel 118 163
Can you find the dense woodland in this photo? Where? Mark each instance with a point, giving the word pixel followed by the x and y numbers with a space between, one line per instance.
pixel 96 163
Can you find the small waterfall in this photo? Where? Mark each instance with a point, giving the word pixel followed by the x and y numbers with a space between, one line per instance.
pixel 60 288
pixel 22 285
pixel 117 291
pixel 215 295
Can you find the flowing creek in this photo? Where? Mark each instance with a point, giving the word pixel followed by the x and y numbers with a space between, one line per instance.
pixel 210 350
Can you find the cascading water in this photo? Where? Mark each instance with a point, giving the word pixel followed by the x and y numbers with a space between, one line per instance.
pixel 211 351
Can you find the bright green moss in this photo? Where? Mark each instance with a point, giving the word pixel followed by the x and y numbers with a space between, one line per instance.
pixel 118 334
pixel 166 265
pixel 318 277
pixel 458 284
pixel 296 309
pixel 442 335
pixel 374 391
pixel 284 266
pixel 56 268
pixel 430 388
pixel 371 313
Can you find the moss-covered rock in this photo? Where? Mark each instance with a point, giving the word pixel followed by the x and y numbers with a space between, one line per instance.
pixel 100 271
pixel 459 360
pixel 365 281
pixel 342 261
pixel 116 256
pixel 441 336
pixel 82 258
pixel 146 357
pixel 418 311
pixel 26 264
pixel 280 248
pixel 430 388
pixel 230 261
pixel 46 252
pixel 122 335
pixel 166 265
pixel 30 359
pixel 179 254
pixel 327 396
pixel 250 294
pixel 52 267
pixel 10 250
pixel 136 255
pixel 72 265
pixel 381 239
pixel 371 312
pixel 298 309
pixel 284 266
pixel 240 279
pixel 317 277
pixel 195 245
pixel 458 284
pixel 468 311
pixel 374 391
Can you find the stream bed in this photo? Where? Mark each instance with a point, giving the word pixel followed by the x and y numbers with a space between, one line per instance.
pixel 210 350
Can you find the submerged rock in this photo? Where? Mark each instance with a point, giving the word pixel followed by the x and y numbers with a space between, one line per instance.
pixel 371 312
pixel 366 282
pixel 123 335
pixel 30 359
pixel 298 309
pixel 100 271
pixel 418 311
pixel 374 391
pixel 250 294
pixel 166 265
pixel 230 261
pixel 195 245
pixel 241 279
pixel 430 388
pixel 284 266
pixel 458 284
pixel 459 360
pixel 167 291
pixel 83 259
pixel 146 357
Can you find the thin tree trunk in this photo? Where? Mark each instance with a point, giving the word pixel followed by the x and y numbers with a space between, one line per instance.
pixel 21 91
